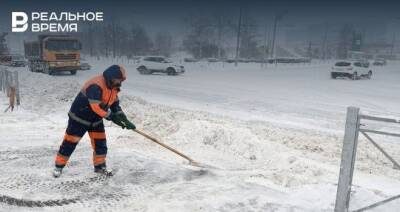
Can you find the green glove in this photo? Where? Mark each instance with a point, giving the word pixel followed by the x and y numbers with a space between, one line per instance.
pixel 117 119
pixel 128 124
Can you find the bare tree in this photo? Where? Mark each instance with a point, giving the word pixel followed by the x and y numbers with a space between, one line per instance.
pixel 238 37
pixel 199 37
pixel 107 40
pixel 345 40
pixel 222 25
pixel 248 39
pixel 163 43
pixel 139 41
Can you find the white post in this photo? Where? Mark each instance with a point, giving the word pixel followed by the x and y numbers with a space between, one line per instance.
pixel 17 87
pixel 349 151
pixel 7 82
pixel 1 79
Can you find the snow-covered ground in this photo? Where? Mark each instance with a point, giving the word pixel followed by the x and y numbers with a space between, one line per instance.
pixel 275 134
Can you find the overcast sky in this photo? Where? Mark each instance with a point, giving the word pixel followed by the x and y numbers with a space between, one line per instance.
pixel 164 15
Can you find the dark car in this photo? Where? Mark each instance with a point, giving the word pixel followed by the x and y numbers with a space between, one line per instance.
pixel 380 62
pixel 17 61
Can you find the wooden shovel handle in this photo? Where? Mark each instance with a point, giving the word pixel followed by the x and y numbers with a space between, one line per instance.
pixel 164 145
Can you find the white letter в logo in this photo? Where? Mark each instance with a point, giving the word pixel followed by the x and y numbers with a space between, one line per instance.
pixel 19 21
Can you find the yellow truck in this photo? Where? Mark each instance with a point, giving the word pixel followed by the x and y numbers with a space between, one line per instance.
pixel 53 53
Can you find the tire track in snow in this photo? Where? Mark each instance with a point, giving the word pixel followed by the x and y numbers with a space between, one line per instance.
pixel 78 187
pixel 35 203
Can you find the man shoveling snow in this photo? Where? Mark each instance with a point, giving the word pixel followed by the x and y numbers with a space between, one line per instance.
pixel 98 99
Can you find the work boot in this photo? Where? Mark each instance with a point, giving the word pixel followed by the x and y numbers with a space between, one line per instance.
pixel 104 170
pixel 57 172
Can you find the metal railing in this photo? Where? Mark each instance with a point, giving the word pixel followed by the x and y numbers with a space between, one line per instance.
pixel 349 150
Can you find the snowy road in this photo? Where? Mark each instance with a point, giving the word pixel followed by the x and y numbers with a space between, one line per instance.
pixel 275 135
pixel 287 94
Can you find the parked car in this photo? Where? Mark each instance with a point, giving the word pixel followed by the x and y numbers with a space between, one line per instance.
pixel 289 60
pixel 190 60
pixel 5 59
pixel 351 69
pixel 84 65
pixel 17 61
pixel 380 62
pixel 212 60
pixel 160 64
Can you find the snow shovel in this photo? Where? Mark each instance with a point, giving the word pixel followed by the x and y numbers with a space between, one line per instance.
pixel 191 161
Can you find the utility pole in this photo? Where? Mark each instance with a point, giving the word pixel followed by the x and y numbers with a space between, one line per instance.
pixel 219 28
pixel 324 41
pixel 265 46
pixel 238 36
pixel 309 50
pixel 113 38
pixel 277 17
pixel 393 39
pixel 90 36
pixel 274 37
pixel 392 46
